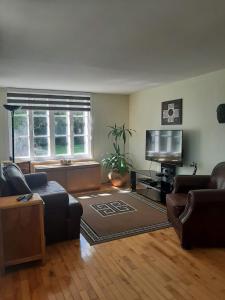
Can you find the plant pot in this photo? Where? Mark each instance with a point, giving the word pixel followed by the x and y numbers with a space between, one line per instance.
pixel 117 179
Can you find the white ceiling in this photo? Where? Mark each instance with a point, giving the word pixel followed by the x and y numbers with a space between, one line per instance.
pixel 115 46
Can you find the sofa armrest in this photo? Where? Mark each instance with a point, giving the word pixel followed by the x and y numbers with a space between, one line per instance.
pixel 185 183
pixel 56 200
pixel 74 219
pixel 36 179
pixel 208 204
pixel 75 208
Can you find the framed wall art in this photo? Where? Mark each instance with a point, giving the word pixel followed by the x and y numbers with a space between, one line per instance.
pixel 171 113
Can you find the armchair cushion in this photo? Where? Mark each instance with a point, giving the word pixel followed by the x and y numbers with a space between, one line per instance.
pixel 16 179
pixel 185 183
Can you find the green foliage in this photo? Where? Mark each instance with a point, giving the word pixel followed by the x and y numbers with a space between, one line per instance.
pixel 117 160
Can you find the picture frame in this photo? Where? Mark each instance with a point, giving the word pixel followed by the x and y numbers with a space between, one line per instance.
pixel 172 112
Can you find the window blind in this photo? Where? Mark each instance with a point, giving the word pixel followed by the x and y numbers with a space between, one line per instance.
pixel 45 101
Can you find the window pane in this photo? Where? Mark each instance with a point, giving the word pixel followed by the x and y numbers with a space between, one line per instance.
pixel 60 125
pixel 21 147
pixel 78 125
pixel 40 126
pixel 61 145
pixel 79 146
pixel 40 146
pixel 40 113
pixel 21 112
pixel 60 113
pixel 78 113
pixel 21 125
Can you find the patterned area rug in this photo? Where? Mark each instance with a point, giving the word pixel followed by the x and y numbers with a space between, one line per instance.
pixel 112 208
pixel 113 215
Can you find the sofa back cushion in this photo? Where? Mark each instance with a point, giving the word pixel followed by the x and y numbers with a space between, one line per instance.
pixel 4 186
pixel 16 179
pixel 218 176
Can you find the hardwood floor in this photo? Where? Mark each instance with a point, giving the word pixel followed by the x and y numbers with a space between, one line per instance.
pixel 147 266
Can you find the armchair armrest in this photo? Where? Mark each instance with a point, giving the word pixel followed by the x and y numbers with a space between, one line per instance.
pixel 185 183
pixel 36 179
pixel 208 204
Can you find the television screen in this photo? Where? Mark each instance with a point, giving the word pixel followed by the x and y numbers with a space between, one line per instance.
pixel 164 146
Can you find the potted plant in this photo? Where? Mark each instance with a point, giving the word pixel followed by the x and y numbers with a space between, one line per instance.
pixel 118 162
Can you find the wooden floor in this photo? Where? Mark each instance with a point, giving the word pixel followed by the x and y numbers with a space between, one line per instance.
pixel 147 266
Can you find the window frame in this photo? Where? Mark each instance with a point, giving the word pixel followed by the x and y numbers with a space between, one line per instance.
pixel 32 136
pixel 51 143
pixel 67 135
pixel 28 137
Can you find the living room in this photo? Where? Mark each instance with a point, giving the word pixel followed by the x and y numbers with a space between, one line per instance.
pixel 100 67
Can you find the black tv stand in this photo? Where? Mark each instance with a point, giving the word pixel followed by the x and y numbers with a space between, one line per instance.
pixel 154 185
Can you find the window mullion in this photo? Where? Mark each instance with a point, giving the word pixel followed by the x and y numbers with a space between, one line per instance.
pixel 68 139
pixel 52 133
pixel 89 132
pixel 71 134
pixel 31 133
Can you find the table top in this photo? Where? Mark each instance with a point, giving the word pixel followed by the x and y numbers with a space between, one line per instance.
pixel 11 202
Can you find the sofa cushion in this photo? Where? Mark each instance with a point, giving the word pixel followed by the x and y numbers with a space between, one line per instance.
pixel 16 179
pixel 176 202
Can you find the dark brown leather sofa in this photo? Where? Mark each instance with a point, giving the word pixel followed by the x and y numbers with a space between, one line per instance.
pixel 62 211
pixel 196 208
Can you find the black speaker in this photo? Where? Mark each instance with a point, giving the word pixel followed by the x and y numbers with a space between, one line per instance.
pixel 221 113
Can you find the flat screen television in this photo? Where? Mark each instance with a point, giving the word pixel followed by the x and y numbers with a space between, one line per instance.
pixel 164 146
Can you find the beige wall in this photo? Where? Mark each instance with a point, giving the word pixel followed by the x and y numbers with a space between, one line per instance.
pixel 106 110
pixel 204 137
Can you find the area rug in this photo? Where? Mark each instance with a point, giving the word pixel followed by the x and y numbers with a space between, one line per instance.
pixel 112 215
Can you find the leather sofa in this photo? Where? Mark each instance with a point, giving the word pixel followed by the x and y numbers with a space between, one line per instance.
pixel 196 208
pixel 62 211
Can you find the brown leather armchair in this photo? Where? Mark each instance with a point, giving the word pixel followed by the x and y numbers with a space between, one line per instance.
pixel 196 208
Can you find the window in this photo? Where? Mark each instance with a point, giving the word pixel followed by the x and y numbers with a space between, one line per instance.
pixel 46 132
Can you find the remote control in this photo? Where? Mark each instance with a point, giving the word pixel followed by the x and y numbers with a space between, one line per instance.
pixel 20 198
pixel 25 198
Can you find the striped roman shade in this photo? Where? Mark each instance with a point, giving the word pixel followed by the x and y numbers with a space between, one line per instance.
pixel 50 101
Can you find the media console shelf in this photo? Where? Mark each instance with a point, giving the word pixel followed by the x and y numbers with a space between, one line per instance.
pixel 155 185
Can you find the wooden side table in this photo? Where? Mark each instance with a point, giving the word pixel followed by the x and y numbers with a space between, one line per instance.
pixel 21 231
